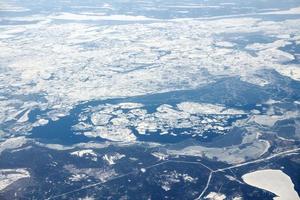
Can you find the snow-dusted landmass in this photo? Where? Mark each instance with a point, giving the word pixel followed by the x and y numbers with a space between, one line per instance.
pixel 274 181
pixel 9 176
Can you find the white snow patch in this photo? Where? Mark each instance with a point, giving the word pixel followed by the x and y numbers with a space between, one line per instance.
pixel 143 170
pixel 77 177
pixel 215 196
pixel 85 152
pixel 111 159
pixel 87 198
